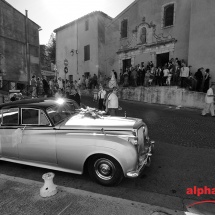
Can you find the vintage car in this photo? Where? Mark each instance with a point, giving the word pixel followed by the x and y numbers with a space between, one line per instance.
pixel 59 135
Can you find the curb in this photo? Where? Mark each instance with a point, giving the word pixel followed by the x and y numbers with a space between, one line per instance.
pixel 150 209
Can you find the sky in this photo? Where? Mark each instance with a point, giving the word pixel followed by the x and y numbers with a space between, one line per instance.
pixel 51 14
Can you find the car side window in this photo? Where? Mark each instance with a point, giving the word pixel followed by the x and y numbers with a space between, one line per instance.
pixel 32 116
pixel 43 118
pixel 58 113
pixel 10 116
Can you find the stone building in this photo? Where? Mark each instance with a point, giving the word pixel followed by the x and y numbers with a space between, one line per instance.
pixel 158 30
pixel 82 44
pixel 19 47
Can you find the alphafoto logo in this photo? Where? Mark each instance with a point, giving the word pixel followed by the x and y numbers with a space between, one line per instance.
pixel 198 191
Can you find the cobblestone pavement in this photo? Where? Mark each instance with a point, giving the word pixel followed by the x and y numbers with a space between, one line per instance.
pixel 184 127
pixel 184 158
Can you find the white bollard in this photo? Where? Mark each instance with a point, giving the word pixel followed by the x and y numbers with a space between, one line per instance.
pixel 49 188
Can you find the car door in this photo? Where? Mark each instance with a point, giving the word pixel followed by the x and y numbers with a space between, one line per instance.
pixel 10 132
pixel 38 137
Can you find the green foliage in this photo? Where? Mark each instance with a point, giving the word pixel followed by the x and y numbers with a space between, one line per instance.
pixel 51 49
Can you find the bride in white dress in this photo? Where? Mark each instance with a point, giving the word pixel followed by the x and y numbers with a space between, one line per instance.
pixel 112 82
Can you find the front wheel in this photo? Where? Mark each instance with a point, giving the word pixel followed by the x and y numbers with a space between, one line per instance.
pixel 105 170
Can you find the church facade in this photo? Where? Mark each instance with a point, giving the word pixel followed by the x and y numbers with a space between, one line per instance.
pixel 158 30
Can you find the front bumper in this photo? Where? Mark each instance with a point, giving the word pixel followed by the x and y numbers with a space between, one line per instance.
pixel 145 162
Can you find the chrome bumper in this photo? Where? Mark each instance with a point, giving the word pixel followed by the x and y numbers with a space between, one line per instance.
pixel 144 163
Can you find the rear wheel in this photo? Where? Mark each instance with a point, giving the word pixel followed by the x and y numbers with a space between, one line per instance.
pixel 105 170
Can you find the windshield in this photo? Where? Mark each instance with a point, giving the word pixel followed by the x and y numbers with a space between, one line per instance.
pixel 58 113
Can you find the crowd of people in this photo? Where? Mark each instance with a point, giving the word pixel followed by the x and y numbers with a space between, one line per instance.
pixel 55 87
pixel 173 73
pixel 107 102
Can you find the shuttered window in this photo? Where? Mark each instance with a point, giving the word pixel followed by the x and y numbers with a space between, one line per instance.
pixel 143 35
pixel 124 28
pixel 168 15
pixel 86 52
pixel 87 25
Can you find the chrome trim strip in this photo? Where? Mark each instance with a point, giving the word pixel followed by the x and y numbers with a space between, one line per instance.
pixel 41 165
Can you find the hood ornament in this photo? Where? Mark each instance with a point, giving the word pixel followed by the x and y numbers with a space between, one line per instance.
pixel 125 115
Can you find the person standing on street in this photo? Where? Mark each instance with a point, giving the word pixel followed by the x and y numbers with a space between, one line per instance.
pixel 165 74
pixel 199 77
pixel 101 96
pixel 68 88
pixel 184 74
pixel 60 83
pixel 45 87
pixel 87 83
pixel 112 102
pixel 209 101
pixel 33 84
pixel 75 96
pixel 207 80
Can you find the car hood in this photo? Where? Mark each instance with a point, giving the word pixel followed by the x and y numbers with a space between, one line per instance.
pixel 106 122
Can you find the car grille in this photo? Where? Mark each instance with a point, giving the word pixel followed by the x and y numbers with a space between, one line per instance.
pixel 140 135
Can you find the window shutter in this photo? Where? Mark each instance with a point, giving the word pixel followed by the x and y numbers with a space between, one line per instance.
pixel 168 15
pixel 124 28
pixel 143 35
pixel 86 52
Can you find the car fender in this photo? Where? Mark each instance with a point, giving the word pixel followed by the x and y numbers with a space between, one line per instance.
pixel 121 150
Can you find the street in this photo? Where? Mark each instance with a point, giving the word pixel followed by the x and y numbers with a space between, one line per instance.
pixel 183 158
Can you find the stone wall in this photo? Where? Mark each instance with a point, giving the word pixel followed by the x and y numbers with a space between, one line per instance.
pixel 160 95
pixel 13 42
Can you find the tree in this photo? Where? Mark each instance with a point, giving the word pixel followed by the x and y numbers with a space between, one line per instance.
pixel 51 49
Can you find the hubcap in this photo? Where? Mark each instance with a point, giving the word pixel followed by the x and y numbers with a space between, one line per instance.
pixel 104 169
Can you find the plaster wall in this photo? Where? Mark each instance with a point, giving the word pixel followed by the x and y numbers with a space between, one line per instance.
pixel 75 37
pixel 89 37
pixel 66 40
pixel 13 44
pixel 202 31
pixel 102 22
pixel 142 57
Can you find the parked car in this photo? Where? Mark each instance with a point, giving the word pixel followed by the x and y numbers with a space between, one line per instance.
pixel 59 135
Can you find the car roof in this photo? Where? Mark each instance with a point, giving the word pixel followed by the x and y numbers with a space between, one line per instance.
pixel 37 103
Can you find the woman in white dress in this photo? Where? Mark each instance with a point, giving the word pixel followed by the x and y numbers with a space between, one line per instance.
pixel 112 82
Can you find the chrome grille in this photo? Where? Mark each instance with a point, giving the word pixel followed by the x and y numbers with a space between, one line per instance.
pixel 140 135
